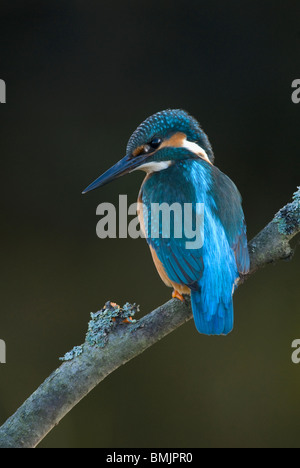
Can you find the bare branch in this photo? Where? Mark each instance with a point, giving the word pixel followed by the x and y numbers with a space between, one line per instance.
pixel 110 342
pixel 273 242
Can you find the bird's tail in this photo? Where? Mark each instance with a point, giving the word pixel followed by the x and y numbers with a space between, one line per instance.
pixel 215 318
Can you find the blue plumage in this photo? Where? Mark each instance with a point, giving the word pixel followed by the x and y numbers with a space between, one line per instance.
pixel 173 150
pixel 210 271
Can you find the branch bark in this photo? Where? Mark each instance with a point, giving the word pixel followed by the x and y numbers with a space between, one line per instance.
pixel 110 342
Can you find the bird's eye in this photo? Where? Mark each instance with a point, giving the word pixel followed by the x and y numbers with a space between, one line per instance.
pixel 155 143
pixel 149 147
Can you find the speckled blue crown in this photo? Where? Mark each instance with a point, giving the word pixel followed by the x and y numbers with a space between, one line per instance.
pixel 167 122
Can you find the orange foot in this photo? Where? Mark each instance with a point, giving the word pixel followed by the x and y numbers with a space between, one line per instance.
pixel 129 320
pixel 177 295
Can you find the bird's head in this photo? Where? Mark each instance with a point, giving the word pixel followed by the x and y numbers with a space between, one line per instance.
pixel 160 141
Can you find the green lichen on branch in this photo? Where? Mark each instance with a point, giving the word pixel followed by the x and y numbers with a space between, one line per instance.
pixel 103 321
pixel 101 324
pixel 288 218
pixel 76 351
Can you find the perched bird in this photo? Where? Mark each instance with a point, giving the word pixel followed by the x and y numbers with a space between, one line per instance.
pixel 176 155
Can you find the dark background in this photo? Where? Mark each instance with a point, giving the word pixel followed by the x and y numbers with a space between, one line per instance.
pixel 81 75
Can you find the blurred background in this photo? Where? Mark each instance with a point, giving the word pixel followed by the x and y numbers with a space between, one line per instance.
pixel 81 75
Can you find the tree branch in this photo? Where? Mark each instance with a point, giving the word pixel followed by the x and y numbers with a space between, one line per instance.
pixel 273 242
pixel 110 342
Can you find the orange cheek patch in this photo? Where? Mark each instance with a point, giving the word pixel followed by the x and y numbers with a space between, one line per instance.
pixel 176 141
pixel 179 140
pixel 139 150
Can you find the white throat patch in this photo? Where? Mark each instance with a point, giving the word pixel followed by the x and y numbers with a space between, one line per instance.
pixel 195 148
pixel 154 166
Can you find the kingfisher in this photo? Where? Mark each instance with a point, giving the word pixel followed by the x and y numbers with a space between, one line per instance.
pixel 178 159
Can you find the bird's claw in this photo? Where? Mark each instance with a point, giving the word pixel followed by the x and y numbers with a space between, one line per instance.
pixel 177 295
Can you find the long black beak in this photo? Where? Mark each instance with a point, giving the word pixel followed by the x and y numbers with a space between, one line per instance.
pixel 124 166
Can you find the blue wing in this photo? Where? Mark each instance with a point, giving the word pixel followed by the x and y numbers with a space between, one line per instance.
pixel 229 210
pixel 182 265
